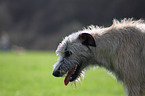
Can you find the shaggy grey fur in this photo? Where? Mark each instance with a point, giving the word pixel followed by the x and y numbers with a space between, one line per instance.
pixel 119 48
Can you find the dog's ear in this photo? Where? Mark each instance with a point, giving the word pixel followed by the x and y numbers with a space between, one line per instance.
pixel 87 39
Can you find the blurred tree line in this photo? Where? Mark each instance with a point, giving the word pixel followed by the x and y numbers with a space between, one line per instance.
pixel 42 24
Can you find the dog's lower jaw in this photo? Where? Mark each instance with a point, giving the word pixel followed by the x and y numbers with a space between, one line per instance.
pixel 73 74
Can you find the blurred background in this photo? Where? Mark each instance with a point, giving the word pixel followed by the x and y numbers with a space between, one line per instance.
pixel 41 24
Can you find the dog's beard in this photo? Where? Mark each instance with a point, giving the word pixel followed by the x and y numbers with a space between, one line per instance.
pixel 73 70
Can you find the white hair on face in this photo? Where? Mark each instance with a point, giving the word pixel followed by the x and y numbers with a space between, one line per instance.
pixel 69 40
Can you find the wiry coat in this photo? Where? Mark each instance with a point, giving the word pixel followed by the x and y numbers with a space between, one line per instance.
pixel 119 48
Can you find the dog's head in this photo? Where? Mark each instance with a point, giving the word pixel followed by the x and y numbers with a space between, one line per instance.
pixel 75 52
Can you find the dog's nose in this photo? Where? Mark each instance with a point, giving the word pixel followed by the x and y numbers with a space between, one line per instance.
pixel 56 73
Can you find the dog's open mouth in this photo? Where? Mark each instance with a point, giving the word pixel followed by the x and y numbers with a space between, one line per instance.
pixel 73 74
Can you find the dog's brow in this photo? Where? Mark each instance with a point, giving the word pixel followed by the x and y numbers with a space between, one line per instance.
pixel 60 52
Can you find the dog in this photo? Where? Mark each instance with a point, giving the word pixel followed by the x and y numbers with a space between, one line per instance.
pixel 119 48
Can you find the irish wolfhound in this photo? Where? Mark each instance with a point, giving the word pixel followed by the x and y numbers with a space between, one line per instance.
pixel 119 48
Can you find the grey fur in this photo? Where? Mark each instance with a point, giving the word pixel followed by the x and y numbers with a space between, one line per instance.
pixel 120 49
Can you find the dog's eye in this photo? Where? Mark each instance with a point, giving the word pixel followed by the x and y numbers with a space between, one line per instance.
pixel 68 53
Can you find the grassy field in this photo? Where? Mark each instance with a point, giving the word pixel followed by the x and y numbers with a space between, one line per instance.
pixel 30 74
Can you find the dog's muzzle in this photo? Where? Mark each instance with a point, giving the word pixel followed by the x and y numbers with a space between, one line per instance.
pixel 57 72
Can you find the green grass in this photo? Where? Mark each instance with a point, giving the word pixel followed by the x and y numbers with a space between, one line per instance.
pixel 30 74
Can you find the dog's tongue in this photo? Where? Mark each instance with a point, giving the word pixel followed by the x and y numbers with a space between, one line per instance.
pixel 68 77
